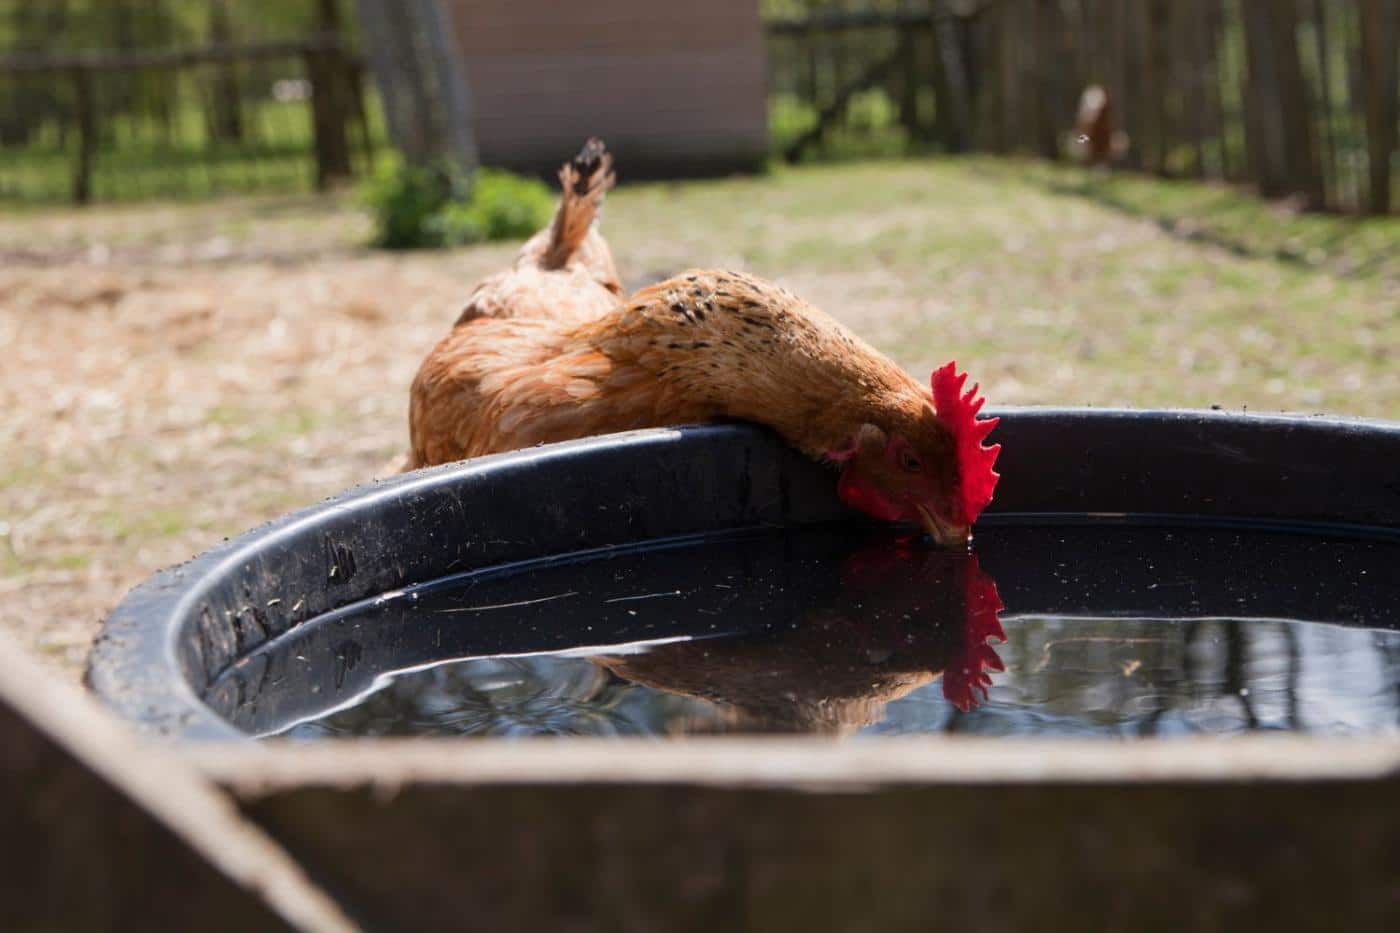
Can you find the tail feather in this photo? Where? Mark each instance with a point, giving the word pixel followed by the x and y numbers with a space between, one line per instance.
pixel 584 180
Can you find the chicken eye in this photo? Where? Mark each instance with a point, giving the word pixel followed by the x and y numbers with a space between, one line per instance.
pixel 909 461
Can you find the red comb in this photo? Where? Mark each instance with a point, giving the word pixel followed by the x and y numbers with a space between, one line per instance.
pixel 966 674
pixel 958 410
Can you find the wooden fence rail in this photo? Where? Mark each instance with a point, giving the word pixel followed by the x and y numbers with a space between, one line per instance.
pixel 334 98
pixel 130 59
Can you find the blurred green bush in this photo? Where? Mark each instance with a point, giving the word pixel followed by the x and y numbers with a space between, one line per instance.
pixel 417 207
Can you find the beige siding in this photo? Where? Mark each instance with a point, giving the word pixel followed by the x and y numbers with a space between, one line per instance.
pixel 671 87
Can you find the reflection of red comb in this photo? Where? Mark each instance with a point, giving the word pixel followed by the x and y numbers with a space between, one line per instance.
pixel 966 672
pixel 958 410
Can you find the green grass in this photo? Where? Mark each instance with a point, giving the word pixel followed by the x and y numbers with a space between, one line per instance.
pixel 20 474
pixel 261 428
pixel 147 524
pixel 1233 219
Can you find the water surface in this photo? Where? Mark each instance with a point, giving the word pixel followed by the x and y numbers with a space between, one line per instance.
pixel 1096 629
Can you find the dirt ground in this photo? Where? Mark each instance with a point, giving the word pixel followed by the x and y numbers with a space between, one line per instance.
pixel 173 375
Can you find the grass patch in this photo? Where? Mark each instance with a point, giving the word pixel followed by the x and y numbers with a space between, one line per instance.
pixel 23 474
pixel 297 422
pixel 264 428
pixel 1232 219
pixel 154 523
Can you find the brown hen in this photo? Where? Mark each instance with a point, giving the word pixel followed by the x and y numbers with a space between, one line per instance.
pixel 704 346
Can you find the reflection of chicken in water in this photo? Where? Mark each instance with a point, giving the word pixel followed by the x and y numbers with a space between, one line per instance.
pixel 1098 142
pixel 903 617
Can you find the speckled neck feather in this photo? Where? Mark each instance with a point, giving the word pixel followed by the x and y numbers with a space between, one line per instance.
pixel 739 347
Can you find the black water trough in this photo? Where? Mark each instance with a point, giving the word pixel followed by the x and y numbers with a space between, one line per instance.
pixel 310 612
pixel 1226 524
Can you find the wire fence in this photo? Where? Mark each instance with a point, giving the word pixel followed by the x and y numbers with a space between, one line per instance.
pixel 132 99
pixel 145 105
pixel 1296 98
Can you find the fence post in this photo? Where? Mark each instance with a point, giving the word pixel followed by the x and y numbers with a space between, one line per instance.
pixel 954 105
pixel 1295 109
pixel 1153 36
pixel 327 70
pixel 1380 35
pixel 355 74
pixel 87 134
pixel 226 113
pixel 909 82
pixel 1050 61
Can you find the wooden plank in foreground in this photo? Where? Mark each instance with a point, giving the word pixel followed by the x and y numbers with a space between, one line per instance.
pixel 100 832
pixel 771 834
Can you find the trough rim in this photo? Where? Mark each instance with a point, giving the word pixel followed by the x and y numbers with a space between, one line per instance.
pixel 255 769
pixel 134 666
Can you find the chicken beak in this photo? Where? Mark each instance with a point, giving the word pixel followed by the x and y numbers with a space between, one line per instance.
pixel 945 533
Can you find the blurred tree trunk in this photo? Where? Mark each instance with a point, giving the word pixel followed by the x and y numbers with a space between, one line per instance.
pixel 226 111
pixel 1002 67
pixel 1009 85
pixel 416 62
pixel 1380 36
pixel 1263 125
pixel 1206 97
pixel 836 54
pixel 328 15
pixel 1327 148
pixel 811 60
pixel 1282 148
pixel 86 112
pixel 331 104
pixel 952 85
pixel 1128 75
pixel 982 71
pixel 907 82
pixel 1154 45
pixel 1213 24
pixel 1107 70
pixel 1304 169
pixel 1050 63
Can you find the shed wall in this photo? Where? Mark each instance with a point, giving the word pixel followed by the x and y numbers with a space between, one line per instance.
pixel 674 89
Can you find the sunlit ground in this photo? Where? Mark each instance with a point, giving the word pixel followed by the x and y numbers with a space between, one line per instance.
pixel 174 375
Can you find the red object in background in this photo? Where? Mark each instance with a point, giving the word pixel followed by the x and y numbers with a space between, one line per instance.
pixel 1099 142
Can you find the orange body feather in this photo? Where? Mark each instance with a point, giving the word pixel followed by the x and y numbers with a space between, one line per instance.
pixel 703 346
